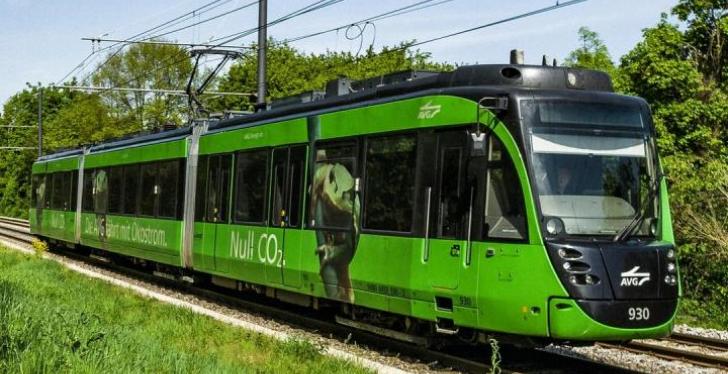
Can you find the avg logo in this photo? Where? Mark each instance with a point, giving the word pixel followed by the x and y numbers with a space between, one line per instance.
pixel 634 278
pixel 429 111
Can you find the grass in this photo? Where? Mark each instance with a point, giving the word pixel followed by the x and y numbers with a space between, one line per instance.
pixel 702 314
pixel 54 320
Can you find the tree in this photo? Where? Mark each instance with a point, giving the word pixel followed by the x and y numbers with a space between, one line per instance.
pixel 291 71
pixel 593 53
pixel 707 36
pixel 22 110
pixel 153 66
pixel 683 76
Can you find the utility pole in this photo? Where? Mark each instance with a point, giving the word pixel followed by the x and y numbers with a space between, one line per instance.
pixel 40 120
pixel 262 41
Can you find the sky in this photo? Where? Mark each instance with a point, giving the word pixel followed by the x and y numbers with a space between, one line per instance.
pixel 41 39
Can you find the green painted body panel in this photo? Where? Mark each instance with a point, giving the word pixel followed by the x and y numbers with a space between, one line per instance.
pixel 570 322
pixel 52 166
pixel 138 154
pixel 55 224
pixel 152 239
pixel 38 168
pixel 397 116
pixel 269 135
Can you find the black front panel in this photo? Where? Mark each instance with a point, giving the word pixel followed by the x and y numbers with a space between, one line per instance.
pixel 638 272
pixel 573 262
pixel 630 314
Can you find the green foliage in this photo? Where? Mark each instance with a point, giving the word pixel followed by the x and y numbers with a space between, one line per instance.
pixel 53 320
pixel 592 54
pixel 154 66
pixel 682 74
pixel 658 67
pixel 291 71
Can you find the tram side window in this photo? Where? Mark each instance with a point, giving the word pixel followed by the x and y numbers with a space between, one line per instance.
pixel 296 180
pixel 35 195
pixel 251 176
pixel 454 197
pixel 87 205
pixel 168 175
pixel 74 189
pixel 201 189
pixel 149 190
pixel 390 183
pixel 504 207
pixel 116 179
pixel 100 191
pixel 333 202
pixel 60 197
pixel 130 193
pixel 218 188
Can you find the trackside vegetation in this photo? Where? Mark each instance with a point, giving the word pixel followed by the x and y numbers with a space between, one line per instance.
pixel 54 320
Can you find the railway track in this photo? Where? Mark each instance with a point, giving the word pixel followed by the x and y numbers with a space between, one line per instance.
pixel 468 359
pixel 717 359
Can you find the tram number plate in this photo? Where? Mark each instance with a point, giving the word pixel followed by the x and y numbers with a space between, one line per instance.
pixel 638 314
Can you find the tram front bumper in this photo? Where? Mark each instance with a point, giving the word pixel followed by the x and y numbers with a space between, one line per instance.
pixel 569 321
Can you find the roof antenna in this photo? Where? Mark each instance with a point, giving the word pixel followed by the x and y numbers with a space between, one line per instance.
pixel 545 60
pixel 516 57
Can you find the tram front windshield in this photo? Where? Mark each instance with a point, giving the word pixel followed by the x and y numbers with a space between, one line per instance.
pixel 592 165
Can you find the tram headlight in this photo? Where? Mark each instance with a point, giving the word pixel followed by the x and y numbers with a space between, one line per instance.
pixel 671 254
pixel 554 226
pixel 671 280
pixel 670 267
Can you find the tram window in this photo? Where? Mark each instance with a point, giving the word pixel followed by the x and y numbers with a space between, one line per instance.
pixel 34 191
pixel 101 191
pixel 218 188
pixel 130 192
pixel 116 178
pixel 297 172
pixel 390 183
pixel 74 189
pixel 333 202
pixel 251 176
pixel 201 189
pixel 278 192
pixel 167 190
pixel 149 190
pixel 453 200
pixel 59 200
pixel 504 207
pixel 87 204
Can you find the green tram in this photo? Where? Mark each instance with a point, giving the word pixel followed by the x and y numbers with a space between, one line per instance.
pixel 516 200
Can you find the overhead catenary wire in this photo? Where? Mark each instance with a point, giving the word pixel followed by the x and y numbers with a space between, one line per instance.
pixel 320 4
pixel 558 5
pixel 200 10
pixel 162 25
pixel 189 45
pixel 151 90
pixel 202 21
pixel 390 13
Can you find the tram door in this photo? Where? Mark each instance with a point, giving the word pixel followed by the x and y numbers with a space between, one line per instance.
pixel 287 186
pixel 449 210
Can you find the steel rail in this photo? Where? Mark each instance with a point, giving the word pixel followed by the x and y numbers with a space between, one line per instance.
pixel 700 341
pixel 672 354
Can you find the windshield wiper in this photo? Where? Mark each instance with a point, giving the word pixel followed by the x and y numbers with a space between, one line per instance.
pixel 639 217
